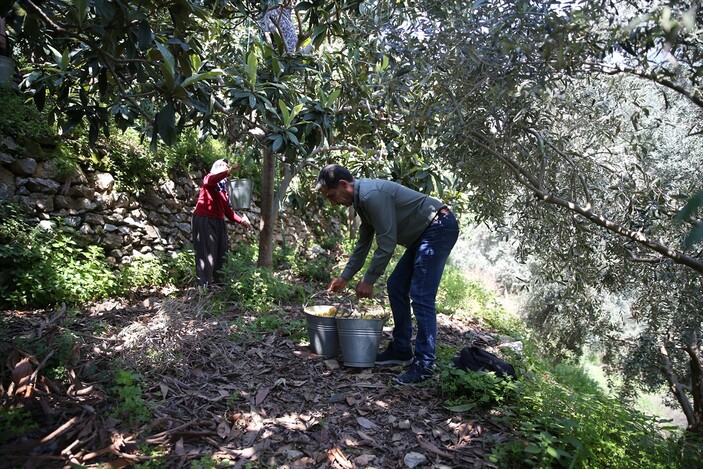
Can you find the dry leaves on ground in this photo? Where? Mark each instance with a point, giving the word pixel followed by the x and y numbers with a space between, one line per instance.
pixel 215 389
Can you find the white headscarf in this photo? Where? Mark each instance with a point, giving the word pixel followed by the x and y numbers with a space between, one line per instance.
pixel 219 166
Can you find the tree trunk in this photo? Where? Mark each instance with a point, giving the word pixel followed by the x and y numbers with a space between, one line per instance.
pixel 268 215
pixel 675 386
pixel 696 363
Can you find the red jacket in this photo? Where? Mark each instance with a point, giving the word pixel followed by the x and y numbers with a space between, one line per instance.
pixel 213 200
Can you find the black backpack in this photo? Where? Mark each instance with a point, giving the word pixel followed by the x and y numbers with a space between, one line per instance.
pixel 477 359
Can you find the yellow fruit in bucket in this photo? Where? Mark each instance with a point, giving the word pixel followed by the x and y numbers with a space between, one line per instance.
pixel 321 310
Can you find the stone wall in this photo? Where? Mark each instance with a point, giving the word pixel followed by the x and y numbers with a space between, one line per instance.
pixel 125 224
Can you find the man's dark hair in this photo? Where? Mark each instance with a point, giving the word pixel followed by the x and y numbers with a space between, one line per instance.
pixel 330 176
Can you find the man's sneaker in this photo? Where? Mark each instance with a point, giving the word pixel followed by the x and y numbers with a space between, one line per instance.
pixel 392 357
pixel 416 373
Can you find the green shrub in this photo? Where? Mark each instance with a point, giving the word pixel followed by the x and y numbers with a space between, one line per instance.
pixel 130 406
pixel 15 422
pixel 143 271
pixel 245 329
pixel 256 289
pixel 551 425
pixel 25 124
pixel 48 267
pixel 318 269
pixel 463 390
pixel 460 296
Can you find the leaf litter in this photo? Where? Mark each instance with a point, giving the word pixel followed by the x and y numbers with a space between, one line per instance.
pixel 213 390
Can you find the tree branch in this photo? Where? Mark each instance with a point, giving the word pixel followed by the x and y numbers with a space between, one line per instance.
pixel 525 178
pixel 696 99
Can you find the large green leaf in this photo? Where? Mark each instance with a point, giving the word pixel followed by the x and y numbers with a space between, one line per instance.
pixel 166 124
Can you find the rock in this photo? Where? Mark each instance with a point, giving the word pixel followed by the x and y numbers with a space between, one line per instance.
pixel 6 158
pixel 73 221
pixel 152 232
pixel 48 170
pixel 46 186
pixel 94 219
pixel 47 225
pixel 7 183
pixel 413 459
pixel 184 227
pixel 9 143
pixel 24 167
pixel 113 241
pixel 104 182
pixel 80 191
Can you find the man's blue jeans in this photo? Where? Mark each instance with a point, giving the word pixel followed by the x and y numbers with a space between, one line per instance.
pixel 416 278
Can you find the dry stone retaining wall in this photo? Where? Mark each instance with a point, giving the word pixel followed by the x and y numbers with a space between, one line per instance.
pixel 125 224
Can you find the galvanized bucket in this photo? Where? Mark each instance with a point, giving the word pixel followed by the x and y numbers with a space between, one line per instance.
pixel 240 194
pixel 322 332
pixel 359 339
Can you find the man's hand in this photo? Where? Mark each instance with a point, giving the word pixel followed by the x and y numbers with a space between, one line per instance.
pixel 233 167
pixel 337 284
pixel 364 290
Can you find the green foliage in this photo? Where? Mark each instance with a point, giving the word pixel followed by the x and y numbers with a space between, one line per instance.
pixel 53 266
pixel 247 328
pixel 460 296
pixel 15 422
pixel 561 419
pixel 25 124
pixel 208 462
pixel 315 269
pixel 143 271
pixel 48 267
pixel 257 289
pixel 130 406
pixel 463 390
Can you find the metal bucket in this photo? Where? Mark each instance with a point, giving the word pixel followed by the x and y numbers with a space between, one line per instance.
pixel 359 339
pixel 322 332
pixel 240 194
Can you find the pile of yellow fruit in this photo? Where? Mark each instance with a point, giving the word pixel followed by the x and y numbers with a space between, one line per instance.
pixel 322 310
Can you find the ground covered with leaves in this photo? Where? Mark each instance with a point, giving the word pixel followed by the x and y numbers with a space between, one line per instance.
pixel 189 380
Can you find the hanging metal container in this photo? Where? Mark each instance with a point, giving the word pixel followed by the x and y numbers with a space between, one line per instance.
pixel 240 193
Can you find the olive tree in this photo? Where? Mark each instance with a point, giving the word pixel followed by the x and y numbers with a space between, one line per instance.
pixel 582 155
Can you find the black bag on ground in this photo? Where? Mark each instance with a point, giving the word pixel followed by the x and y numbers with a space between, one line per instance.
pixel 477 359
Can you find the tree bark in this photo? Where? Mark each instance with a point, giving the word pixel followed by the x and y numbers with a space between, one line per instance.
pixel 675 386
pixel 268 215
pixel 696 364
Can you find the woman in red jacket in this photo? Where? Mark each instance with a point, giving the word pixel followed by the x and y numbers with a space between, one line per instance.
pixel 208 223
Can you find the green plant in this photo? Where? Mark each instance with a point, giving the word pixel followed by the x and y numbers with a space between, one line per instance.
pixel 208 462
pixel 15 422
pixel 181 267
pixel 128 392
pixel 460 296
pixel 48 266
pixel 143 271
pixel 463 390
pixel 317 269
pixel 554 426
pixel 256 289
pixel 247 328
pixel 25 124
